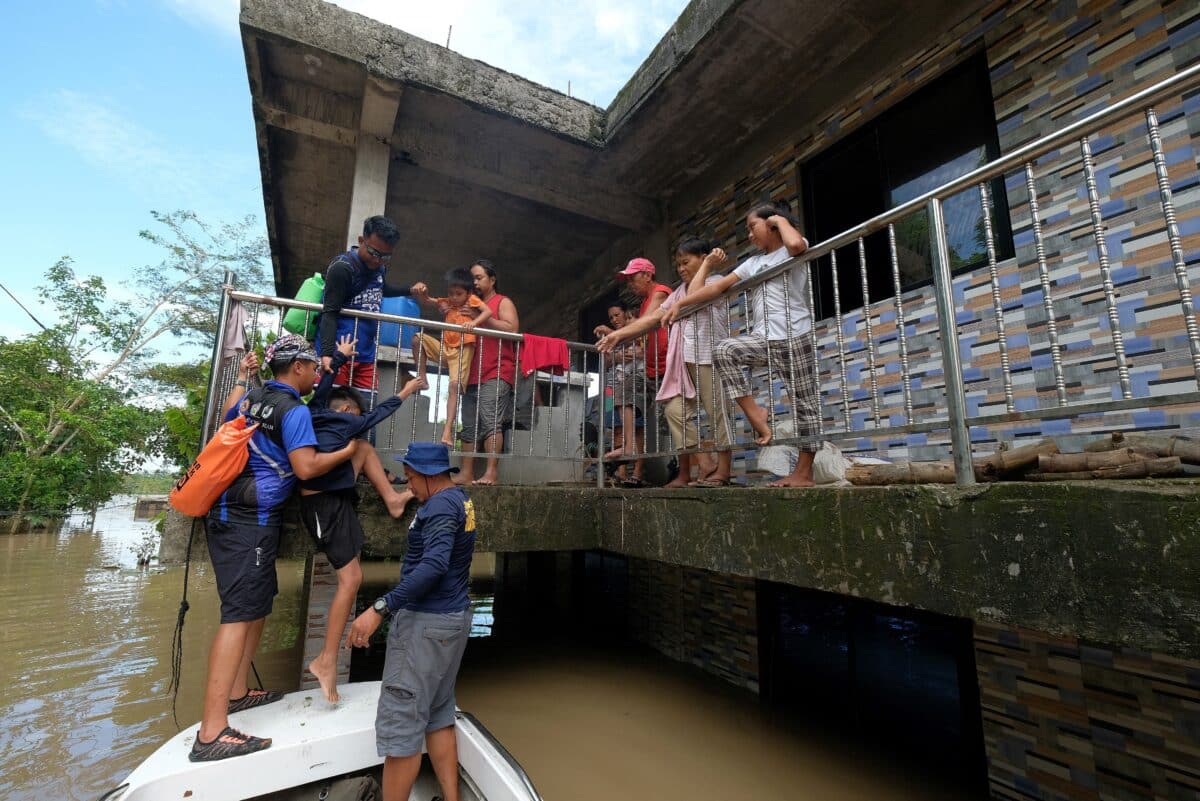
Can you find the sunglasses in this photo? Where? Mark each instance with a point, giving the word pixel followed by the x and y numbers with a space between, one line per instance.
pixel 378 254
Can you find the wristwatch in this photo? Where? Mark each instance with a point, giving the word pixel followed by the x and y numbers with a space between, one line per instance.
pixel 381 607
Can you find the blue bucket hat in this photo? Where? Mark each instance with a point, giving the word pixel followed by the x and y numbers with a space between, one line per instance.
pixel 427 458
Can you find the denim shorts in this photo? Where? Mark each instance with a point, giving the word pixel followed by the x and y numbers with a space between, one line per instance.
pixel 424 650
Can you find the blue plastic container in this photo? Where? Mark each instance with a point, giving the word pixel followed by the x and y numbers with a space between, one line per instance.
pixel 393 334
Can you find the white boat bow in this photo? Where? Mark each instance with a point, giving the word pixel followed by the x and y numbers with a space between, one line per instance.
pixel 311 740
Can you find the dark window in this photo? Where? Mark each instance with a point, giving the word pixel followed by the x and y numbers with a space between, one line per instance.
pixel 942 131
pixel 871 672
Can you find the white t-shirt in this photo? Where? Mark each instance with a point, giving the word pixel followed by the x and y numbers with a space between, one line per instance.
pixel 781 308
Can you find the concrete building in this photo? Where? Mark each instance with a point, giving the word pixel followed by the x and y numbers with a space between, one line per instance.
pixel 1079 607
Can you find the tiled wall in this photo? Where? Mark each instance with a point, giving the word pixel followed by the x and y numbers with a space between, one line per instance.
pixel 1051 63
pixel 1066 720
pixel 697 617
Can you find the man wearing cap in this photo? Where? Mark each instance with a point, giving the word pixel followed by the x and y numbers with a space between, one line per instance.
pixel 639 275
pixel 431 619
pixel 243 533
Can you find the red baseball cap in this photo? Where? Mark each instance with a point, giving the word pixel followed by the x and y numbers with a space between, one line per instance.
pixel 638 265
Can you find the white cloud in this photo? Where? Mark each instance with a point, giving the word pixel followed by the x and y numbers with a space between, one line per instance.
pixel 594 44
pixel 219 14
pixel 114 143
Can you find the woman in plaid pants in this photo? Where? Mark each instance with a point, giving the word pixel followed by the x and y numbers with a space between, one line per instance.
pixel 779 324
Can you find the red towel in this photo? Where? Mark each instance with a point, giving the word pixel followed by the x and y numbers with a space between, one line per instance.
pixel 544 353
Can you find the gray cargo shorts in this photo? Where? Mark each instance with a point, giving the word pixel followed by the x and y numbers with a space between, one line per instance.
pixel 424 650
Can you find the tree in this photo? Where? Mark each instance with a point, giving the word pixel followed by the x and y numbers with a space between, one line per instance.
pixel 179 439
pixel 70 426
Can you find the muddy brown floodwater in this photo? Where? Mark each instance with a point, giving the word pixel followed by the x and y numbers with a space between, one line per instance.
pixel 85 657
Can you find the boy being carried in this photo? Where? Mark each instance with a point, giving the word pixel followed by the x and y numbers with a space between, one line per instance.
pixel 328 502
pixel 454 350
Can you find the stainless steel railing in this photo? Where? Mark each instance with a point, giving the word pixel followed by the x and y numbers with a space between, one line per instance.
pixel 1019 164
pixel 552 431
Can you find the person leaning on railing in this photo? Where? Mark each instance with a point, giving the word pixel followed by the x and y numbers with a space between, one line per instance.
pixel 688 375
pixel 639 275
pixel 780 321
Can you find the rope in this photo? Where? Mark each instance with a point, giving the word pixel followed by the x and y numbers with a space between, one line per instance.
pixel 177 638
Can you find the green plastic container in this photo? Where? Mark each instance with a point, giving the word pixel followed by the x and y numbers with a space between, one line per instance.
pixel 311 291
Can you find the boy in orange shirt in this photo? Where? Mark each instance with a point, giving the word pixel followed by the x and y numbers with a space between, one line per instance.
pixel 454 350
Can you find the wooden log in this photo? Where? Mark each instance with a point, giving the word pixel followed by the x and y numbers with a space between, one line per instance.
pixel 1002 463
pixel 1078 462
pixel 901 473
pixel 1188 450
pixel 1146 468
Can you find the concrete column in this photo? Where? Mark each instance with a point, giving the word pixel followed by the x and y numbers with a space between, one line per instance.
pixel 368 196
pixel 320 584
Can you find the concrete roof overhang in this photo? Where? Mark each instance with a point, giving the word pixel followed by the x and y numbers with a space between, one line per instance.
pixel 484 163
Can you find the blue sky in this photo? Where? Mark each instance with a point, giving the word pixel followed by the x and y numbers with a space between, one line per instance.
pixel 112 108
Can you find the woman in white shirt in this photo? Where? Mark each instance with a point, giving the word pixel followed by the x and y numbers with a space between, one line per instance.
pixel 780 321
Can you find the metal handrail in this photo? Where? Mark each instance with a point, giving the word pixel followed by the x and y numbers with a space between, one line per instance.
pixel 1179 82
pixel 271 300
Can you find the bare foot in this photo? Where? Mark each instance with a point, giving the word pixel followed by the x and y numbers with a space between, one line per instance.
pixel 486 480
pixel 617 453
pixel 677 483
pixel 792 481
pixel 397 502
pixel 326 673
pixel 462 480
pixel 758 421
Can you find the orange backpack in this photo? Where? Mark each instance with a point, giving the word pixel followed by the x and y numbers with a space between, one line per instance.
pixel 221 461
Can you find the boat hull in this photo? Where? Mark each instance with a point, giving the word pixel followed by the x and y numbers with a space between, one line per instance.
pixel 312 740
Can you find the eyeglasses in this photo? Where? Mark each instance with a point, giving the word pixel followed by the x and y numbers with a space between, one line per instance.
pixel 378 254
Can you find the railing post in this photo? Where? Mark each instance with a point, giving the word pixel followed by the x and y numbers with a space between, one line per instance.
pixel 602 420
pixel 960 438
pixel 214 367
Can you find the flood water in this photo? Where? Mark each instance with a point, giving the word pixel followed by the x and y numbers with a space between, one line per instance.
pixel 85 656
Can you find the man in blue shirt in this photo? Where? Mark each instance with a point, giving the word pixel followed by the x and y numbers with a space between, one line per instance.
pixel 243 533
pixel 431 619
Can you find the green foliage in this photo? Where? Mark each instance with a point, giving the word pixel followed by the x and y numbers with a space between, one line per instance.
pixel 179 439
pixel 71 425
pixel 148 483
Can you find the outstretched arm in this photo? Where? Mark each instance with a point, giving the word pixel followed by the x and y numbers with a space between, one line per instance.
pixel 641 325
pixel 345 350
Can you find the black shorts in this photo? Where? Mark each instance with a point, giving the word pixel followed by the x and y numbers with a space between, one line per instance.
pixel 243 559
pixel 332 520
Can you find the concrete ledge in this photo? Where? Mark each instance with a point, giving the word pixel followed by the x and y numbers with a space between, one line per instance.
pixel 389 53
pixel 1116 563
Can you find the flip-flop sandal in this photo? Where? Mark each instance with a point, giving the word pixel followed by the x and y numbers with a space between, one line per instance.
pixel 254 698
pixel 709 483
pixel 242 744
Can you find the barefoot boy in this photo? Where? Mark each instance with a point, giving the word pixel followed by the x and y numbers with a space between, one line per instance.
pixel 460 307
pixel 328 502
